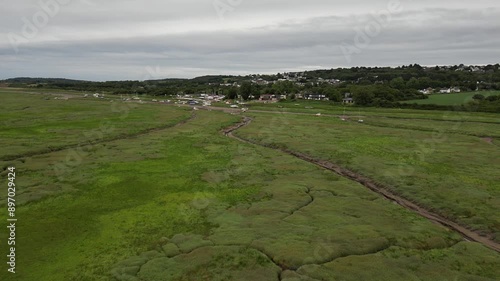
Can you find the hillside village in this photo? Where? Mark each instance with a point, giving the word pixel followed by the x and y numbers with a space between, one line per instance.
pixel 366 86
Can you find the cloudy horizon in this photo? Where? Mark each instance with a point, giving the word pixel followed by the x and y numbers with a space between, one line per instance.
pixel 140 40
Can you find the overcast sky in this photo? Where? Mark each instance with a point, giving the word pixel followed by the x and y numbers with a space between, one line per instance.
pixel 154 39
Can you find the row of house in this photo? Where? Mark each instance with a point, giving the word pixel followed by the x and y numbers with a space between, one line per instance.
pixel 262 82
pixel 450 90
pixel 430 91
pixel 96 95
pixel 272 98
pixel 317 97
pixel 329 81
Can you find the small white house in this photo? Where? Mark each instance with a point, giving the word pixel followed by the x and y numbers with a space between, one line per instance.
pixel 427 91
pixel 450 90
pixel 347 99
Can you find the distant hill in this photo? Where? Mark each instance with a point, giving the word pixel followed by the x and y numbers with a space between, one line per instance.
pixel 29 80
pixel 202 80
pixel 372 85
pixel 213 79
pixel 206 79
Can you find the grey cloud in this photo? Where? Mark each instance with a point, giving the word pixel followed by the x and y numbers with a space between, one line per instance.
pixel 418 34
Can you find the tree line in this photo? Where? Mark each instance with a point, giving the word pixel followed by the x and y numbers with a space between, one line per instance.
pixel 368 86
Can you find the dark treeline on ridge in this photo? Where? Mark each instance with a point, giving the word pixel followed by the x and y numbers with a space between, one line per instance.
pixel 368 86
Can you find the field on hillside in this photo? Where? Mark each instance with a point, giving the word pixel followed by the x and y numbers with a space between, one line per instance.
pixel 453 99
pixel 165 195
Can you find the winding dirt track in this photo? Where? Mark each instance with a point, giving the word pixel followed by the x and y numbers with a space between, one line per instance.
pixel 378 188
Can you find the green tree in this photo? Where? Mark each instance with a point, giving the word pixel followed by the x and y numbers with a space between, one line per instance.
pixel 413 83
pixel 363 95
pixel 333 94
pixel 246 90
pixel 232 93
pixel 425 82
pixel 478 97
pixel 398 83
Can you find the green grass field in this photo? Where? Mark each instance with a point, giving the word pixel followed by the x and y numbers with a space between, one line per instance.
pixel 329 108
pixel 40 123
pixel 441 165
pixel 453 99
pixel 184 202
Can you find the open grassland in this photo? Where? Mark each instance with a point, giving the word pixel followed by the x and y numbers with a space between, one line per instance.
pixel 461 125
pixel 329 108
pixel 453 99
pixel 186 203
pixel 37 123
pixel 453 174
